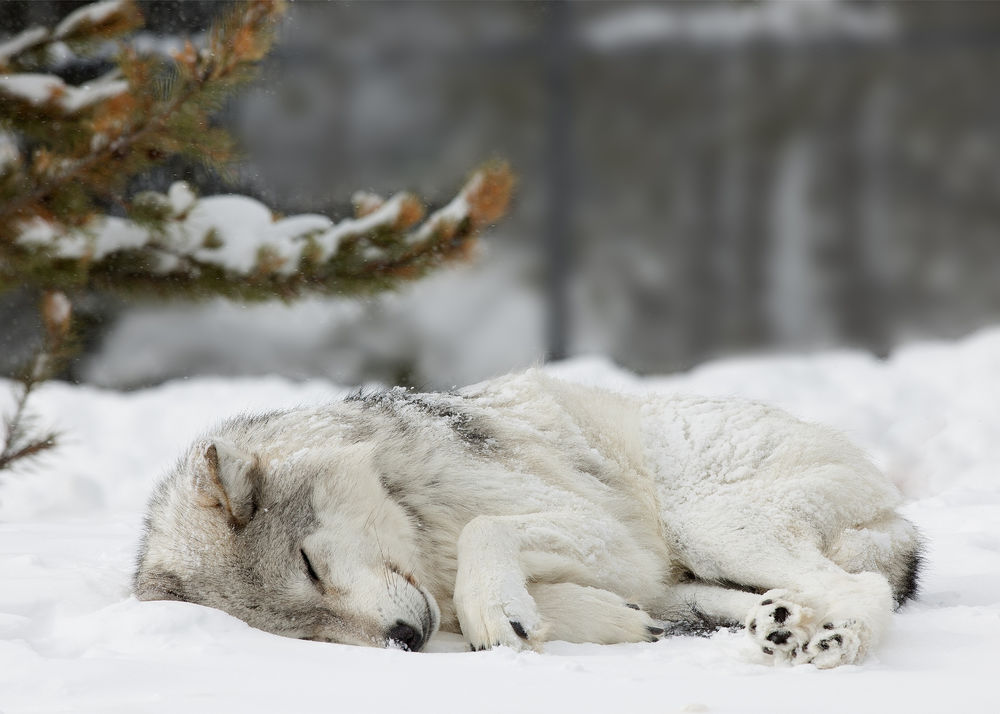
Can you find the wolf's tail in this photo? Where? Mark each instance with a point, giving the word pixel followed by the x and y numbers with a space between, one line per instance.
pixel 889 545
pixel 907 580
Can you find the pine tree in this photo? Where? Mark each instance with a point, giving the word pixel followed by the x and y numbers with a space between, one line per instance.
pixel 67 154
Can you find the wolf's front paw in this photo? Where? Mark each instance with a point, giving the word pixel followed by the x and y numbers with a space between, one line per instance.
pixel 490 622
pixel 780 626
pixel 487 632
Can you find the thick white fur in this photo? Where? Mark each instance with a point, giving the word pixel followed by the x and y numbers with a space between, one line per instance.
pixel 574 514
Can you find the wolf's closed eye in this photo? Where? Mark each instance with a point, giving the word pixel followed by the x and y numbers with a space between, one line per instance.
pixel 309 567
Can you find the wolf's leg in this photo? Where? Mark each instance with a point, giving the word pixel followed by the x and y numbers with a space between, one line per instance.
pixel 813 608
pixel 828 624
pixel 578 613
pixel 496 557
pixel 704 604
pixel 833 607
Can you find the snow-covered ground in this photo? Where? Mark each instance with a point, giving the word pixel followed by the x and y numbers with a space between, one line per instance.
pixel 73 640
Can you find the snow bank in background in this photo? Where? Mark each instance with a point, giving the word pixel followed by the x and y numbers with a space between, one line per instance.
pixel 735 22
pixel 422 332
pixel 71 638
pixel 929 415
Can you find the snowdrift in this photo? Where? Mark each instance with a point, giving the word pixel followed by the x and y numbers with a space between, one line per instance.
pixel 72 639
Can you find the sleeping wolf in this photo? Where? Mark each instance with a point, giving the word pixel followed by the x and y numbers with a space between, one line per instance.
pixel 527 509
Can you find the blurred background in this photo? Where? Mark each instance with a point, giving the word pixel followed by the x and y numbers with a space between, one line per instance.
pixel 695 180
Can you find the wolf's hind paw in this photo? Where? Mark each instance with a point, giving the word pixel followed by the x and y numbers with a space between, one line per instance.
pixel 792 632
pixel 577 613
pixel 834 645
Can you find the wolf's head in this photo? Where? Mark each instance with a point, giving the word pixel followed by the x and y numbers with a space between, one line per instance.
pixel 289 542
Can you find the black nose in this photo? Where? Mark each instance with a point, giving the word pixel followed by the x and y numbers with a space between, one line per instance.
pixel 406 635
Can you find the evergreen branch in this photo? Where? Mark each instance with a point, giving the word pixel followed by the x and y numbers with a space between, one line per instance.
pixel 105 19
pixel 108 153
pixel 176 245
pixel 12 425
pixel 18 444
pixel 238 42
pixel 82 30
pixel 65 152
pixel 31 449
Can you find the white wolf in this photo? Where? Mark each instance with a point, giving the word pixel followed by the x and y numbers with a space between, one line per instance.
pixel 527 509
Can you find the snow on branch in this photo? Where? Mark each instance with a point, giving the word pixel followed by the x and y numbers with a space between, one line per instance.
pixel 90 17
pixel 22 42
pixel 10 155
pixel 218 242
pixel 482 200
pixel 49 91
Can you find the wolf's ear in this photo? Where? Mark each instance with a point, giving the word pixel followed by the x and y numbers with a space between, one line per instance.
pixel 224 478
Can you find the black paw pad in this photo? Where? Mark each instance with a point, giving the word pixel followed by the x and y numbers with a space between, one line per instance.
pixel 518 629
pixel 779 637
pixel 632 606
pixel 825 643
pixel 655 630
pixel 769 601
pixel 767 650
pixel 828 626
pixel 780 614
pixel 753 626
